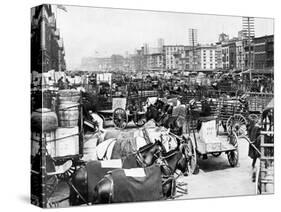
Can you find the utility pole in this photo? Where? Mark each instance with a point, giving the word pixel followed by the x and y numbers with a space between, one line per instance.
pixel 193 42
pixel 249 33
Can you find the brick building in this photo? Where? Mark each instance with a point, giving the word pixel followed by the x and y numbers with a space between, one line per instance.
pixel 263 49
pixel 46 43
pixel 171 56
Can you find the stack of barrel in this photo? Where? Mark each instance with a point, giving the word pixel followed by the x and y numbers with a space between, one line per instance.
pixel 60 127
pixel 67 134
pixel 58 133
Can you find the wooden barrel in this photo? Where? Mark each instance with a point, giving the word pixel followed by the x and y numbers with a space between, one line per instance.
pixel 68 114
pixel 69 96
pixel 43 120
pixel 68 111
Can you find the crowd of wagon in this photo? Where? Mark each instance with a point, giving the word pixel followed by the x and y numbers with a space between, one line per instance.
pixel 178 121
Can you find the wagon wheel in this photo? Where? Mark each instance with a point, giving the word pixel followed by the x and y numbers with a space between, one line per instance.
pixel 236 123
pixel 67 174
pixel 233 155
pixel 189 150
pixel 216 154
pixel 120 118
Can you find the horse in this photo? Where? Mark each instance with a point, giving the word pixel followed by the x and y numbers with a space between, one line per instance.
pixel 155 183
pixel 116 148
pixel 86 177
pixel 161 113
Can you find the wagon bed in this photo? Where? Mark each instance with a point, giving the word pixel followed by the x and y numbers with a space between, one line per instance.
pixel 258 101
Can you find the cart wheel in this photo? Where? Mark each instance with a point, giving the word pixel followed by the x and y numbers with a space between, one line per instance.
pixel 233 156
pixel 120 118
pixel 216 154
pixel 68 174
pixel 189 150
pixel 236 123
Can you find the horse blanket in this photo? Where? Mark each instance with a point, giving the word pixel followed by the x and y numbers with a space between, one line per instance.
pixel 96 170
pixel 143 185
pixel 123 148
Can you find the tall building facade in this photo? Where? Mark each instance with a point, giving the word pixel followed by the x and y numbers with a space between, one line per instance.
pixel 160 44
pixel 219 64
pixel 155 61
pixel 171 55
pixel 248 54
pixel 46 42
pixel 263 52
pixel 240 54
pixel 206 57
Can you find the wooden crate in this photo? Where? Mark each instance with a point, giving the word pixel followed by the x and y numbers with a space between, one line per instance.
pixel 258 101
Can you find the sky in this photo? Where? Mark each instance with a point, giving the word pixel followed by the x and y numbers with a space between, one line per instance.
pixel 101 32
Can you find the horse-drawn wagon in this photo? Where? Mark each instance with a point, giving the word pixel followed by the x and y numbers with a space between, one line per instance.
pixel 232 113
pixel 204 139
pixel 235 113
pixel 128 105
pixel 122 113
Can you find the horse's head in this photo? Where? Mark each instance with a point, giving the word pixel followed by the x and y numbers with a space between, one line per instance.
pixel 150 152
pixel 154 111
pixel 172 161
pixel 159 104
pixel 167 108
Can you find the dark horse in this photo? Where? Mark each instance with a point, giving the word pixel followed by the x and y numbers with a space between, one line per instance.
pixel 86 178
pixel 161 113
pixel 159 182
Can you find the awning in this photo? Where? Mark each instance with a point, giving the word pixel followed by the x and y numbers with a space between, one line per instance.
pixel 259 71
pixel 270 104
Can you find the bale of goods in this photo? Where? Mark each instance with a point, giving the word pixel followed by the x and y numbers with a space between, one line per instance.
pixel 43 120
pixel 89 147
pixel 61 142
pixel 68 110
pixel 67 141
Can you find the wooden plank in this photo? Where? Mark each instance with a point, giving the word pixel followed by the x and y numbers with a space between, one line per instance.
pixel 267 132
pixel 267 145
